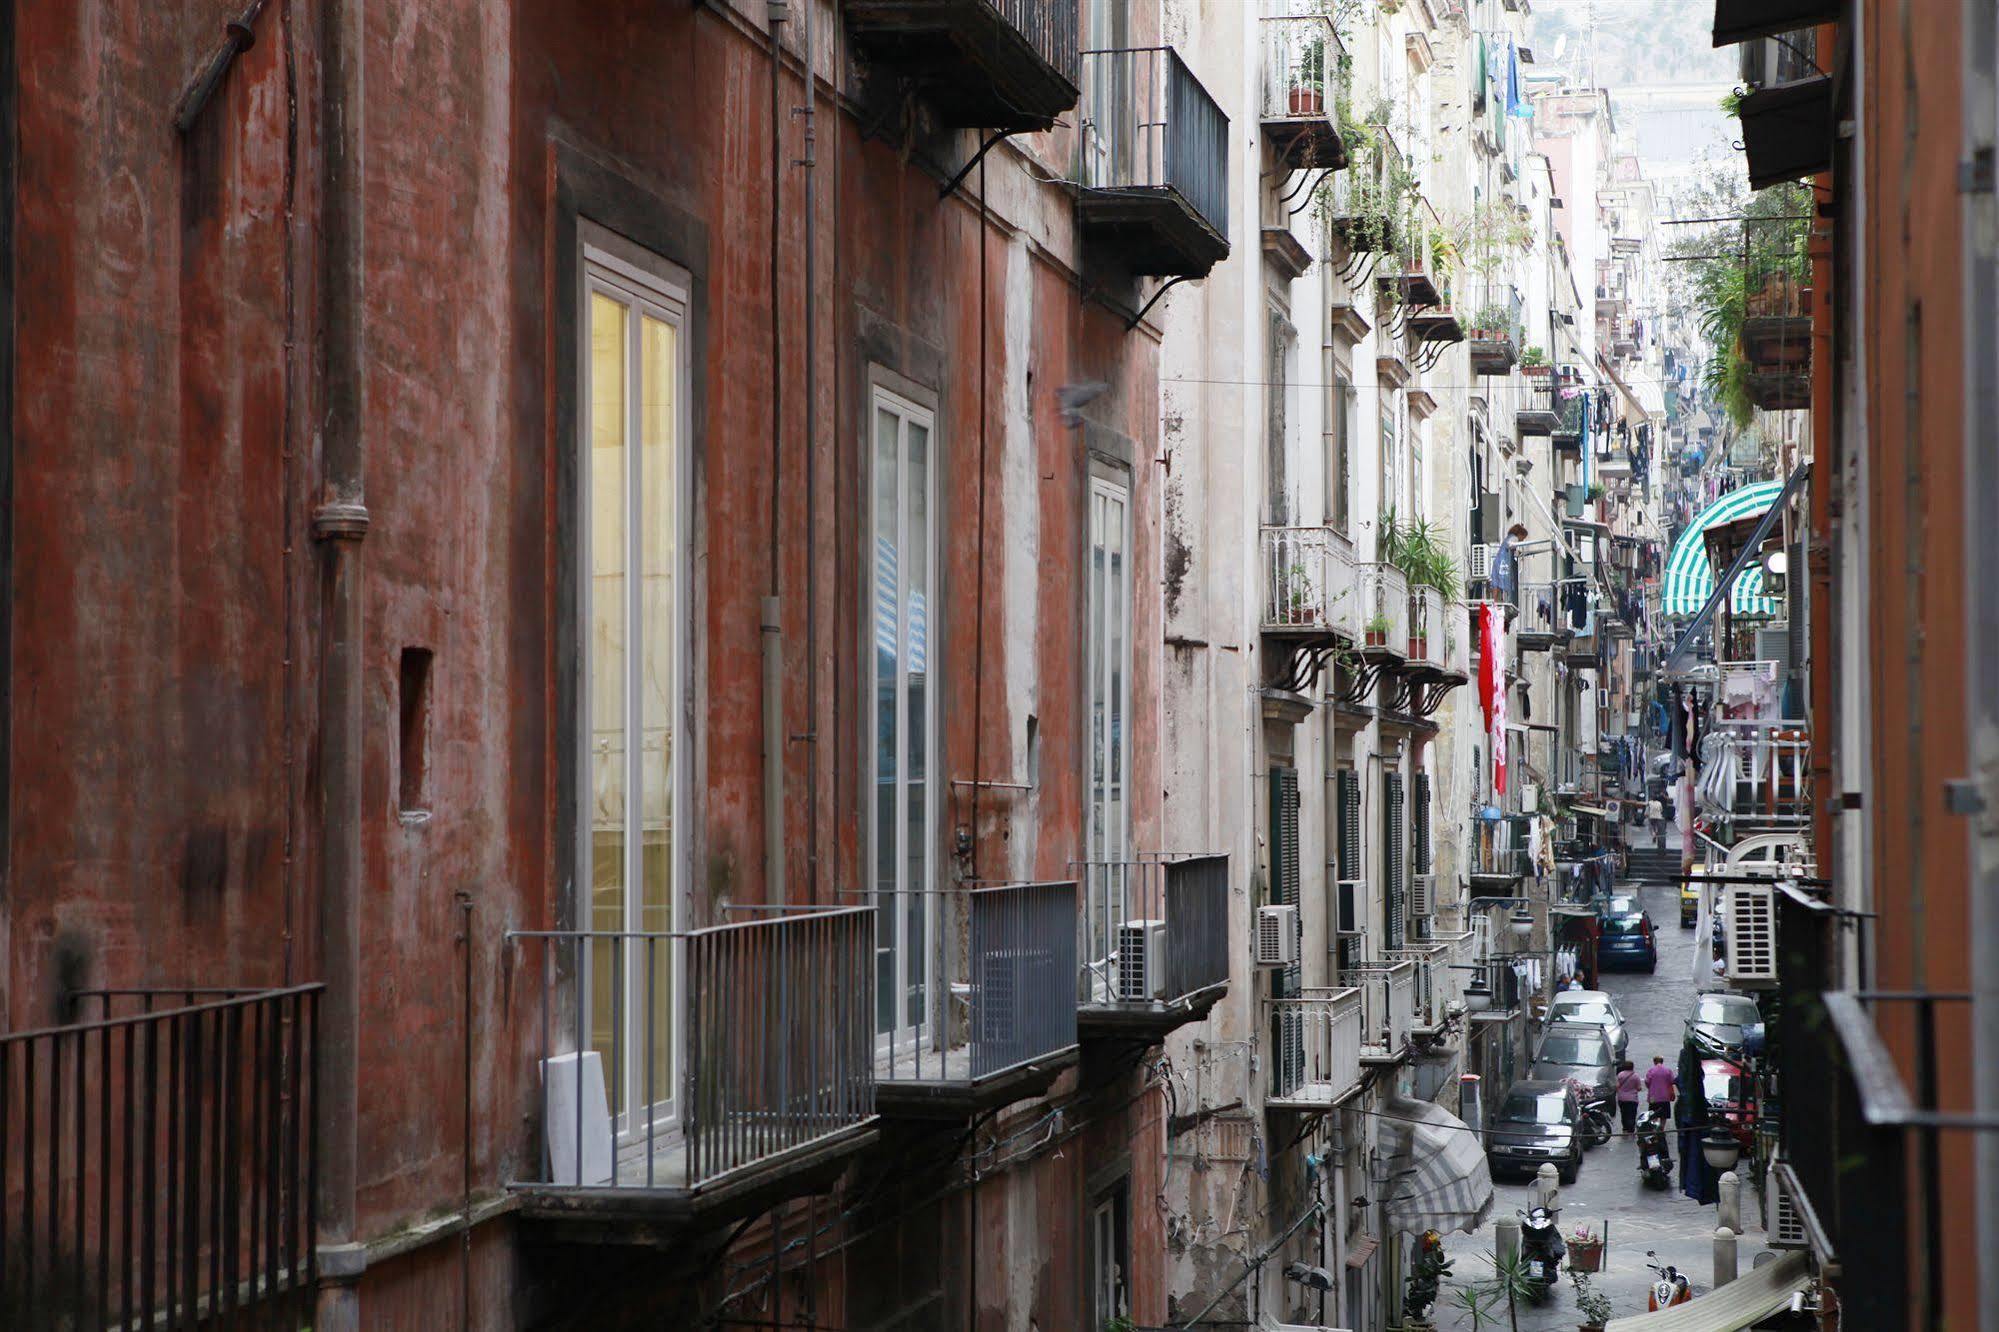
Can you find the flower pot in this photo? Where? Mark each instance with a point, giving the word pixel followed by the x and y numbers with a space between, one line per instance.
pixel 1307 101
pixel 1375 638
pixel 1537 371
pixel 1585 1256
pixel 1419 647
pixel 1589 1327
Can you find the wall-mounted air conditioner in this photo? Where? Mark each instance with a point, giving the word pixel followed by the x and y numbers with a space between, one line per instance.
pixel 1750 954
pixel 1785 1227
pixel 1349 901
pixel 1277 936
pixel 1141 959
pixel 1423 895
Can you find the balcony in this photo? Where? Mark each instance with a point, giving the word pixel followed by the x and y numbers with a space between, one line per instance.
pixel 1542 618
pixel 1433 993
pixel 1499 855
pixel 1388 1009
pixel 1008 1027
pixel 1311 583
pixel 1008 65
pixel 664 1106
pixel 1384 601
pixel 158 1161
pixel 1302 58
pixel 1762 771
pixel 1155 945
pixel 1154 151
pixel 1539 415
pixel 1415 280
pixel 1495 331
pixel 1318 1041
pixel 1362 210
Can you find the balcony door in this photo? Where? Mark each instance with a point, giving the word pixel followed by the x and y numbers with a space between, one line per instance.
pixel 632 522
pixel 904 792
pixel 1110 119
pixel 1107 680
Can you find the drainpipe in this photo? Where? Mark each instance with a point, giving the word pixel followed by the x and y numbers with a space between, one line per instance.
pixel 810 163
pixel 772 622
pixel 339 523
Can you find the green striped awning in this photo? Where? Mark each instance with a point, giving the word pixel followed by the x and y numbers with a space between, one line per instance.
pixel 1690 576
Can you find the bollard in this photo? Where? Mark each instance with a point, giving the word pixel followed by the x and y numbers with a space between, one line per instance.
pixel 1506 1239
pixel 1728 1211
pixel 1724 1257
pixel 1546 1192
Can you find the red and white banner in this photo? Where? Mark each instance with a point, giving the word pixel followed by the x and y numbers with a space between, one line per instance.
pixel 1492 689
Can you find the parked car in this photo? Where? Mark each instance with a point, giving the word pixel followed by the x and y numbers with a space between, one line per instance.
pixel 1592 1007
pixel 1619 904
pixel 1627 942
pixel 1731 1099
pixel 1721 1021
pixel 1537 1123
pixel 1578 1050
pixel 1690 896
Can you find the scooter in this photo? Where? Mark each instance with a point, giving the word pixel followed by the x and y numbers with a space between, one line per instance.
pixel 1541 1251
pixel 1671 1288
pixel 1655 1159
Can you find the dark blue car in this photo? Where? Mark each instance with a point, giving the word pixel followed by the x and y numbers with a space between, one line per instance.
pixel 1627 943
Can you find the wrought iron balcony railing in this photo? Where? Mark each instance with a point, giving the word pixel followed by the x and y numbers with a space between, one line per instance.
pixel 1432 985
pixel 1310 581
pixel 1317 1043
pixel 1153 161
pixel 1385 607
pixel 1155 932
pixel 1301 77
pixel 158 1160
pixel 995 64
pixel 1388 1007
pixel 670 1061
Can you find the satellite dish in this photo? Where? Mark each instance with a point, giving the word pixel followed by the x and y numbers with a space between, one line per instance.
pixel 1561 45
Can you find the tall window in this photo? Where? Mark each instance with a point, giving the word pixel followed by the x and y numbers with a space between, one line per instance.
pixel 905 747
pixel 1109 647
pixel 1110 1255
pixel 1277 428
pixel 634 365
pixel 1340 409
pixel 1391 455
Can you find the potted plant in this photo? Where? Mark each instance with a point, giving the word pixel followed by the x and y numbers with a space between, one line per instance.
pixel 1308 80
pixel 1592 1304
pixel 1377 629
pixel 1427 1271
pixel 1596 490
pixel 1534 362
pixel 1585 1251
pixel 1297 598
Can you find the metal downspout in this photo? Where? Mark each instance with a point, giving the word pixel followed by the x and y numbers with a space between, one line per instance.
pixel 339 523
pixel 771 625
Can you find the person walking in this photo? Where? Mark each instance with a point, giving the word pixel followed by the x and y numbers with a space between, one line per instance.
pixel 1628 1086
pixel 1655 814
pixel 1660 1087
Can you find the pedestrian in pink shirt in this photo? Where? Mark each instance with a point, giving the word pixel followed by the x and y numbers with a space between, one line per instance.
pixel 1659 1088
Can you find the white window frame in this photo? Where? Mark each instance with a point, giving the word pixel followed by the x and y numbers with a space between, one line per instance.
pixel 1114 685
pixel 662 291
pixel 902 1034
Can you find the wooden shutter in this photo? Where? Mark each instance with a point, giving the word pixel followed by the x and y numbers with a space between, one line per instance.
pixel 1346 816
pixel 1422 823
pixel 1395 865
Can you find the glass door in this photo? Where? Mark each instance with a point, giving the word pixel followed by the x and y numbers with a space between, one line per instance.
pixel 1107 666
pixel 634 367
pixel 902 823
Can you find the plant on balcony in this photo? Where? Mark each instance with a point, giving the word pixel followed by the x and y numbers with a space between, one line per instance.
pixel 1596 490
pixel 1535 362
pixel 1308 80
pixel 1377 629
pixel 1493 323
pixel 1297 594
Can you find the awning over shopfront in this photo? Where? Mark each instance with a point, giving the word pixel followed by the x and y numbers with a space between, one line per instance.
pixel 1690 574
pixel 1744 1302
pixel 1436 1176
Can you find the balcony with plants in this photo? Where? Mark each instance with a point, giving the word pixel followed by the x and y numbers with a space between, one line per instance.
pixel 1303 74
pixel 1367 210
pixel 1007 65
pixel 1750 290
pixel 1495 329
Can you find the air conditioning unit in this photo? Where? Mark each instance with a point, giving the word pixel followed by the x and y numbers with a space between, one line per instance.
pixel 1277 936
pixel 1423 895
pixel 1478 562
pixel 1349 896
pixel 1751 938
pixel 1784 1227
pixel 1141 959
pixel 1011 981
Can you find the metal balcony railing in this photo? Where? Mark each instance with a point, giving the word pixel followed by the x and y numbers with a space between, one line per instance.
pixel 1154 930
pixel 1148 124
pixel 1766 768
pixel 1364 210
pixel 1310 582
pixel 1499 848
pixel 158 1160
pixel 671 1060
pixel 1388 1007
pixel 1496 315
pixel 1540 606
pixel 1302 60
pixel 1013 1006
pixel 1428 621
pixel 1432 984
pixel 1051 27
pixel 1385 606
pixel 1456 638
pixel 1318 1045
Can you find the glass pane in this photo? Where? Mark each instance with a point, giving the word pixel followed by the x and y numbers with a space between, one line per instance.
pixel 916 555
pixel 1117 609
pixel 887 655
pixel 1099 705
pixel 659 543
pixel 605 654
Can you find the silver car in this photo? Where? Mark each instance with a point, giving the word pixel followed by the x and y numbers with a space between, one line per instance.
pixel 1577 1050
pixel 1595 1006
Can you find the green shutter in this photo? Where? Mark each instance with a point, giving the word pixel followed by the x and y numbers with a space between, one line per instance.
pixel 1397 888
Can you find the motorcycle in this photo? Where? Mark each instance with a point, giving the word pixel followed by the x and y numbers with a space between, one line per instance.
pixel 1541 1251
pixel 1671 1288
pixel 1655 1159
pixel 1597 1124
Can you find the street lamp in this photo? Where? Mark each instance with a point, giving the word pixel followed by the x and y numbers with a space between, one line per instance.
pixel 1522 924
pixel 1478 995
pixel 1720 1149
